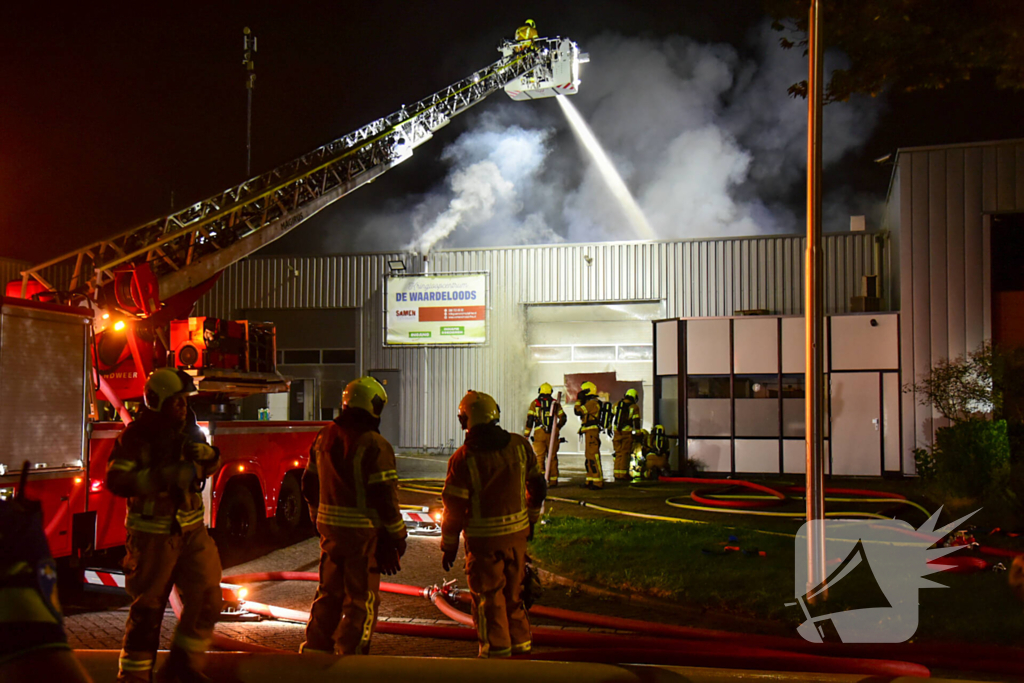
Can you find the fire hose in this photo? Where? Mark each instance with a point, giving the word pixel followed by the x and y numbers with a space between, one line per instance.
pixel 584 646
pixel 664 644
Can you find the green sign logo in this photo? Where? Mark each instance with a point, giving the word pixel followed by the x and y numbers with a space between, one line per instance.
pixel 453 330
pixel 418 335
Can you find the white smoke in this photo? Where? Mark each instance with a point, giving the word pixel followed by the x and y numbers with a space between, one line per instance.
pixel 709 142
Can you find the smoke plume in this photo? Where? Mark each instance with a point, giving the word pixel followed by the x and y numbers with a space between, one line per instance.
pixel 707 140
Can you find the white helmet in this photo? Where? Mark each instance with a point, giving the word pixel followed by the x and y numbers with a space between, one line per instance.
pixel 165 383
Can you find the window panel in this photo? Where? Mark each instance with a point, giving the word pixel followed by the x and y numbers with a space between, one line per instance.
pixel 592 353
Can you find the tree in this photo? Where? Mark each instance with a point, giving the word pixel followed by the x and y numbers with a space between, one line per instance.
pixel 910 44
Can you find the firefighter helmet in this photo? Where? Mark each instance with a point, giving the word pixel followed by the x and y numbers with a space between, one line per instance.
pixel 631 393
pixel 545 389
pixel 530 23
pixel 165 383
pixel 366 393
pixel 589 387
pixel 478 408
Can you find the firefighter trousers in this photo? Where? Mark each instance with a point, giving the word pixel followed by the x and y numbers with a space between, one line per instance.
pixel 155 563
pixel 592 453
pixel 622 443
pixel 495 570
pixel 344 613
pixel 541 442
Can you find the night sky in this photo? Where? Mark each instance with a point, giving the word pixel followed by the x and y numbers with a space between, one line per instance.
pixel 108 110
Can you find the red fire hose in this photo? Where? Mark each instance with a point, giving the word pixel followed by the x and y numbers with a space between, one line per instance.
pixel 660 649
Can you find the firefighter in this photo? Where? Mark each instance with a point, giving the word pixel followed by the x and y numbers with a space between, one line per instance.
pixel 492 496
pixel 33 644
pixel 351 483
pixel 159 464
pixel 588 408
pixel 540 421
pixel 657 458
pixel 526 34
pixel 627 419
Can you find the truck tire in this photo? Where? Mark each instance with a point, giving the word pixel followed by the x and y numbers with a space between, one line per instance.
pixel 236 517
pixel 291 508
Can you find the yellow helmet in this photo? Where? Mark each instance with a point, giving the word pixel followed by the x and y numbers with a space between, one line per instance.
pixel 589 387
pixel 631 393
pixel 478 408
pixel 545 389
pixel 529 22
pixel 165 383
pixel 366 393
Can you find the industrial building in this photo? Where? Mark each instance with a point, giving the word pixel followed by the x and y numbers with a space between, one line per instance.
pixel 709 330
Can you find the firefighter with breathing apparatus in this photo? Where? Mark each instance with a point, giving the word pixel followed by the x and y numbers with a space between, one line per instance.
pixel 589 409
pixel 626 419
pixel 492 496
pixel 650 458
pixel 160 464
pixel 525 35
pixel 541 422
pixel 351 482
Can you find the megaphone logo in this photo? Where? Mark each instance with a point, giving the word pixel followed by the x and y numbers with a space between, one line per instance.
pixel 874 570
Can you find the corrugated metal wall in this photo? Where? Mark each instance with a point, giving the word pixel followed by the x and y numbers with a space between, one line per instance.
pixel 941 196
pixel 11 270
pixel 693 278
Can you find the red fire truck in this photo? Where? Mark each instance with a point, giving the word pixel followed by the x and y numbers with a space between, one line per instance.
pixel 79 334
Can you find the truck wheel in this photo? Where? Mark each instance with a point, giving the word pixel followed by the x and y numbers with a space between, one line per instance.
pixel 291 508
pixel 236 518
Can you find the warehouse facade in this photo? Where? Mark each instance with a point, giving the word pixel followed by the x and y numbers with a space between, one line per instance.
pixel 554 312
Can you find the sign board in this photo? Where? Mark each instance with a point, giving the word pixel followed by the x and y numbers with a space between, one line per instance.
pixel 424 310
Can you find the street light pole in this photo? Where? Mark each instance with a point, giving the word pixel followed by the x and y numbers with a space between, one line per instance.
pixel 814 311
pixel 249 49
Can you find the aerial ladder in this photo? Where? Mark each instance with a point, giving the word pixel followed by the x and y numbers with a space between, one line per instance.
pixel 145 281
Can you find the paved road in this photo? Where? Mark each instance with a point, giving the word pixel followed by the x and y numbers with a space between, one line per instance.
pixel 421 566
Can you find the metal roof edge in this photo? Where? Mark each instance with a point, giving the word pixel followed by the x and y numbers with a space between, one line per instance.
pixel 960 145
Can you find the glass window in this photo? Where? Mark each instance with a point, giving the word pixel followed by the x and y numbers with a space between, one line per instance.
pixel 707 386
pixel 338 356
pixel 551 353
pixel 636 352
pixel 792 386
pixel 591 353
pixel 757 386
pixel 301 357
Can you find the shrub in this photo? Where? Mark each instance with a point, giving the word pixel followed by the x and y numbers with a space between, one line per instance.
pixel 970 459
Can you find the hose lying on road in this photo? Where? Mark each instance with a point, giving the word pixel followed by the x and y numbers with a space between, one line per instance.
pixel 673 650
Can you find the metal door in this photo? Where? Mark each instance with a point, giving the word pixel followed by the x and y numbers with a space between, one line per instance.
pixel 390 421
pixel 856 423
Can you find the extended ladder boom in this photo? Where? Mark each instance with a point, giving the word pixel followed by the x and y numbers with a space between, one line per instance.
pixel 192 245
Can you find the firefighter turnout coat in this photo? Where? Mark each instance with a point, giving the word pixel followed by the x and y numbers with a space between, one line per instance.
pixel 167 540
pixel 540 422
pixel 588 408
pixel 627 420
pixel 492 496
pixel 352 483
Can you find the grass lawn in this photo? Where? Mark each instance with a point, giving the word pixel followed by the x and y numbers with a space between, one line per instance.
pixel 666 560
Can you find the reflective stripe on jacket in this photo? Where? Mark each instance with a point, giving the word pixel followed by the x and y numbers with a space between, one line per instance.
pixel 358 480
pixel 589 413
pixel 142 451
pixel 491 491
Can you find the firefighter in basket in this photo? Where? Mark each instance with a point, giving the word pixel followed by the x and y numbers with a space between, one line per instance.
pixel 544 413
pixel 492 497
pixel 525 35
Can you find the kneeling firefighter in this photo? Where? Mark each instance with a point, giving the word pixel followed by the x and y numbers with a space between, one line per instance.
pixel 160 463
pixel 492 496
pixel 351 482
pixel 541 421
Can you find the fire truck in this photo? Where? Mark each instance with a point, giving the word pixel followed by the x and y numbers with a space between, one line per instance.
pixel 80 333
